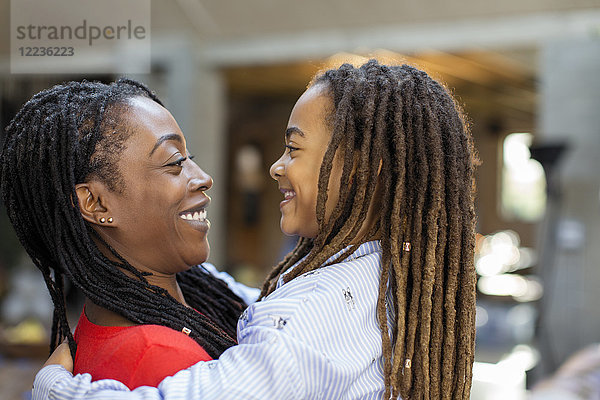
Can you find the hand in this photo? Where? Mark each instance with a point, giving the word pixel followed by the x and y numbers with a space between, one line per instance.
pixel 62 356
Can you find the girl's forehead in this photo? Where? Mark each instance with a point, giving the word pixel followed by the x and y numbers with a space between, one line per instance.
pixel 311 110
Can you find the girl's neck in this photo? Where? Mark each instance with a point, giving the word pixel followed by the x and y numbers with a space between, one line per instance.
pixel 366 234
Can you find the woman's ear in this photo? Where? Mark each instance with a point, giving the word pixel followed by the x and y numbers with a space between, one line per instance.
pixel 91 204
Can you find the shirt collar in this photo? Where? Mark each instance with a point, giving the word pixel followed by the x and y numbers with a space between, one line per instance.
pixel 364 249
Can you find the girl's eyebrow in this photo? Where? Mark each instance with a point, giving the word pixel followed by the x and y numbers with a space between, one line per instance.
pixel 293 129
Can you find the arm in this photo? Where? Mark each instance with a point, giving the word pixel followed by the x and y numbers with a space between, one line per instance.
pixel 264 369
pixel 301 342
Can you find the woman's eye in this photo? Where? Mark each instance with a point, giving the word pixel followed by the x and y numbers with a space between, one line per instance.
pixel 178 162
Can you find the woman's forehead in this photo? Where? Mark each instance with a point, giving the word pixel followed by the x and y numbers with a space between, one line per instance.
pixel 149 119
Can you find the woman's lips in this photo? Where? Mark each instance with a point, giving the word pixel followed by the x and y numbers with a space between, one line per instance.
pixel 196 219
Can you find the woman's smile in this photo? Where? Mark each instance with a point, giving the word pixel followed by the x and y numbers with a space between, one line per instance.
pixel 195 216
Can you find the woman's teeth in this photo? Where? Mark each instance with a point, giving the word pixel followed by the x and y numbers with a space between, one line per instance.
pixel 288 194
pixel 195 216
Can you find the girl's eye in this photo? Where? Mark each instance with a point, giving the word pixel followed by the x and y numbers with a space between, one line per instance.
pixel 291 148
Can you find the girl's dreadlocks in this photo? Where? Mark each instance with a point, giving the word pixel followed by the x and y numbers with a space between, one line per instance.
pixel 398 128
pixel 64 136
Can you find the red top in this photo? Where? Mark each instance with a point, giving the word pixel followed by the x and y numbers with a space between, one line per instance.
pixel 141 355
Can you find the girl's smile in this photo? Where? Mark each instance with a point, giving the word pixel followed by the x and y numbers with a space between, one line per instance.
pixel 297 170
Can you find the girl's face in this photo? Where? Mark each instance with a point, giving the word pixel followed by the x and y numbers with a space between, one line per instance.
pixel 297 170
pixel 159 217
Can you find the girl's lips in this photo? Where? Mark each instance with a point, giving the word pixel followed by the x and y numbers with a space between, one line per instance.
pixel 284 202
pixel 289 196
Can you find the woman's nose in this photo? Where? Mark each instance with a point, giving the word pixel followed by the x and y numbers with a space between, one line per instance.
pixel 277 169
pixel 200 181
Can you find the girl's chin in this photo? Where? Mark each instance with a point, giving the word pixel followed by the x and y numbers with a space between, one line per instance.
pixel 297 233
pixel 294 230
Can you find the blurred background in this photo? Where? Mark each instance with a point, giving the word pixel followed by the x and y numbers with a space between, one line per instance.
pixel 527 75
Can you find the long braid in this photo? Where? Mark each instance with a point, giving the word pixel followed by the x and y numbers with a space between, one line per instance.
pixel 60 138
pixel 399 130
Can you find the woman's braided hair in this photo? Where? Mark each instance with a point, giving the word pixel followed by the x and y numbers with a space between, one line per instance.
pixel 64 136
pixel 398 128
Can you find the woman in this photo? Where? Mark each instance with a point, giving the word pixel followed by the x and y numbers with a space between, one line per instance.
pixel 99 187
pixel 378 297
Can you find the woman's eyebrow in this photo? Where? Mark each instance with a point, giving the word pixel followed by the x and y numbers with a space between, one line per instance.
pixel 164 138
pixel 293 129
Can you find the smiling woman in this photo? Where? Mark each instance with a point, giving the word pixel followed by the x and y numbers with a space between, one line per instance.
pixel 100 187
pixel 162 190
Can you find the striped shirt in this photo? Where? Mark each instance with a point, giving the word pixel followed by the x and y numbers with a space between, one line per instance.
pixel 315 337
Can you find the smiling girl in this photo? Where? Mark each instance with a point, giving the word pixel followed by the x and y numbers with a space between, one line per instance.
pixel 377 300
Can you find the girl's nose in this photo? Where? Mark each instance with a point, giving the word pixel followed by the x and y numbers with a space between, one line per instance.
pixel 277 170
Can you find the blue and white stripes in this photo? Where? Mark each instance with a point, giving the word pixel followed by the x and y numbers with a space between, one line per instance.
pixel 315 337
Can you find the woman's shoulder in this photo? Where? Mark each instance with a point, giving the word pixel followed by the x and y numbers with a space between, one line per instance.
pixel 158 335
pixel 139 339
pixel 137 355
pixel 164 352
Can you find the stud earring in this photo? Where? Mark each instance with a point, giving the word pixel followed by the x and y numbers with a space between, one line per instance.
pixel 102 220
pixel 187 331
pixel 110 220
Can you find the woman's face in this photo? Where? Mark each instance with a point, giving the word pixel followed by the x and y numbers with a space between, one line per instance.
pixel 297 170
pixel 159 215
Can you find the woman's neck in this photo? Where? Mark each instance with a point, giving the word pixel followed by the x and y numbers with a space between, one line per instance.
pixel 102 316
pixel 169 283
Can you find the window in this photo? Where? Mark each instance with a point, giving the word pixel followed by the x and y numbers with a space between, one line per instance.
pixel 523 180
